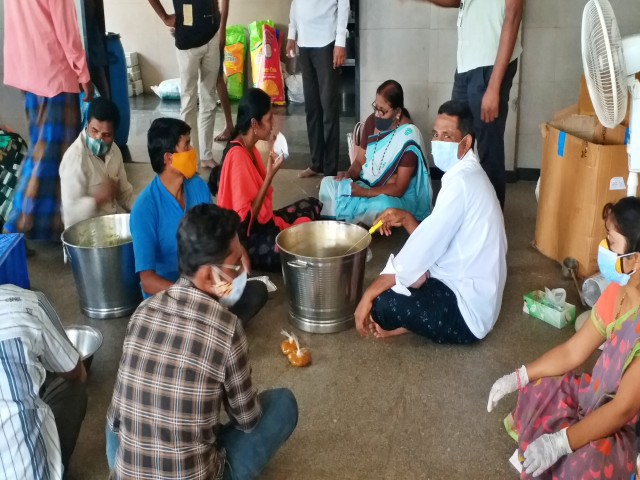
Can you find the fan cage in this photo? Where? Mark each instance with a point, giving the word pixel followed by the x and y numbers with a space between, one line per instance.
pixel 604 62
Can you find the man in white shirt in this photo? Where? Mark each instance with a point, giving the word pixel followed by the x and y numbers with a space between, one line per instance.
pixel 447 281
pixel 93 181
pixel 320 27
pixel 487 60
pixel 40 414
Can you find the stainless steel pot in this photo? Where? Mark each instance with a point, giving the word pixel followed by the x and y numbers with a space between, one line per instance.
pixel 100 250
pixel 323 285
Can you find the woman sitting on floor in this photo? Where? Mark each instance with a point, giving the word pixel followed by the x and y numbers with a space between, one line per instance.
pixel 390 170
pixel 581 426
pixel 245 184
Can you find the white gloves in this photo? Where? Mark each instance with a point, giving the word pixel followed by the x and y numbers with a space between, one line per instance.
pixel 506 385
pixel 544 451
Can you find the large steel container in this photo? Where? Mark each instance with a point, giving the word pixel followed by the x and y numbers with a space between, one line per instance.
pixel 323 282
pixel 100 251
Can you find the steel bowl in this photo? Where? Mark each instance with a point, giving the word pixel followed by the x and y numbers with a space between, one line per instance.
pixel 87 340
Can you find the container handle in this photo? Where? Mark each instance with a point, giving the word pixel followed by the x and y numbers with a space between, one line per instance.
pixel 298 264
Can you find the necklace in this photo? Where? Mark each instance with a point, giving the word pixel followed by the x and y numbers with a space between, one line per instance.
pixel 623 297
pixel 375 150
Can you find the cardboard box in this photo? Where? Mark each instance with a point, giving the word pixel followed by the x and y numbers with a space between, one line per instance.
pixel 585 107
pixel 584 167
pixel 538 307
pixel 134 73
pixel 131 59
pixel 138 89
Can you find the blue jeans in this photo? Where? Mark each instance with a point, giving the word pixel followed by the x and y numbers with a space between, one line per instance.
pixel 247 453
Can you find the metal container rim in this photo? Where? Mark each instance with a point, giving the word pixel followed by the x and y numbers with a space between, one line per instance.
pixel 101 247
pixel 322 258
pixel 86 328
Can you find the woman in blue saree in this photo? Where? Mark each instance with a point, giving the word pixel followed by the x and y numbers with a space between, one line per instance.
pixel 389 171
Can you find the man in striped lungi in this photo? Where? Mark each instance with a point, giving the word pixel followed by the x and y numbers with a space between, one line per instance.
pixel 43 57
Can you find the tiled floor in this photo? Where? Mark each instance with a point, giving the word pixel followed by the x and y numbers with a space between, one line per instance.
pixel 403 408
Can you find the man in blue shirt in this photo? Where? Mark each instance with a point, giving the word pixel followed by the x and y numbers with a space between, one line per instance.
pixel 158 210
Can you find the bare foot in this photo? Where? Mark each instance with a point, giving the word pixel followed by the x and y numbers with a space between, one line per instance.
pixel 224 136
pixel 308 173
pixel 207 163
pixel 379 332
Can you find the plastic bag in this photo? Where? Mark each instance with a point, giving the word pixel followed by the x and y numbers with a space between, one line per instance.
pixel 168 89
pixel 295 93
pixel 235 53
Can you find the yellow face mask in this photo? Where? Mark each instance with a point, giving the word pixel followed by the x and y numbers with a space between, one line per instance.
pixel 185 162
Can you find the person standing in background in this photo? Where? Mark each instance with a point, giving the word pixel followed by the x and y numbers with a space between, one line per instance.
pixel 487 60
pixel 320 29
pixel 43 57
pixel 197 25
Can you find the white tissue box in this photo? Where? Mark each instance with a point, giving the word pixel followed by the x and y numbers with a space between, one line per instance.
pixel 538 307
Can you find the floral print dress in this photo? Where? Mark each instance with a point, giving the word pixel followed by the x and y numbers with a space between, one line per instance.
pixel 553 403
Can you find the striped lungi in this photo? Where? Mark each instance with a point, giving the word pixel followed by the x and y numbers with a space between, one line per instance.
pixel 54 124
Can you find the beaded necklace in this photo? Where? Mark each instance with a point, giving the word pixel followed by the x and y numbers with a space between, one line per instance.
pixel 375 150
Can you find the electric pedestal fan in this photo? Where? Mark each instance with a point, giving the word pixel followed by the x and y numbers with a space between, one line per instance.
pixel 610 64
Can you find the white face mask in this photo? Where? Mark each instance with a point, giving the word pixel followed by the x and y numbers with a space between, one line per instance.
pixel 445 154
pixel 229 292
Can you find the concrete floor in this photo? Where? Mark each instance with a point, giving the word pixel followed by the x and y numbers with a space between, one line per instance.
pixel 369 409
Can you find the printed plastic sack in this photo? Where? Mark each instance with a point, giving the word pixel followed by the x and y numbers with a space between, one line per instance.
pixel 235 53
pixel 255 46
pixel 269 69
pixel 168 89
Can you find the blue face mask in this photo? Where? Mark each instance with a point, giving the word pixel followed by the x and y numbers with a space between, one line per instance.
pixel 445 154
pixel 610 264
pixel 232 294
pixel 97 147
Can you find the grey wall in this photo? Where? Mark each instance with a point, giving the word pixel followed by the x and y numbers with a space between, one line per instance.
pixel 142 31
pixel 415 43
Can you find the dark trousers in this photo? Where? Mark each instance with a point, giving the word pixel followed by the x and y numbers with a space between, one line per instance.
pixel 253 298
pixel 321 96
pixel 431 311
pixel 68 402
pixel 469 88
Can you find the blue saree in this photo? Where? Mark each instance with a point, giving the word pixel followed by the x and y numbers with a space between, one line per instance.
pixel 383 158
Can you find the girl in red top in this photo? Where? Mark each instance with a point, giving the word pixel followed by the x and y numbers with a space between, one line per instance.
pixel 245 184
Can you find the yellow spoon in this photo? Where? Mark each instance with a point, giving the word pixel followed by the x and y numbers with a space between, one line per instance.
pixel 372 230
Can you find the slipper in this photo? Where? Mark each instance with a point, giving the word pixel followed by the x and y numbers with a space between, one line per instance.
pixel 307 173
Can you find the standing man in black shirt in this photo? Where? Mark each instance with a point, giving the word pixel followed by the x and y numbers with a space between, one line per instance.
pixel 197 25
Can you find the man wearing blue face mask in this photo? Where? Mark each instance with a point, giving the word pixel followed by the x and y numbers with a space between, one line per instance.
pixel 93 181
pixel 447 281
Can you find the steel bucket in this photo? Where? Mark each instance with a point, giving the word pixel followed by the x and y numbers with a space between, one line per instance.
pixel 323 284
pixel 100 250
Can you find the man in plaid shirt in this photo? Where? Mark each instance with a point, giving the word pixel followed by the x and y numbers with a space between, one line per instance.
pixel 184 357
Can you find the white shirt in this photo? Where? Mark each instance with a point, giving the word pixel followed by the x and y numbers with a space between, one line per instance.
pixel 462 244
pixel 31 340
pixel 82 175
pixel 317 23
pixel 479 29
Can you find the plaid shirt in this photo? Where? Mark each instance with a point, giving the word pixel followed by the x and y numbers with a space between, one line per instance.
pixel 184 356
